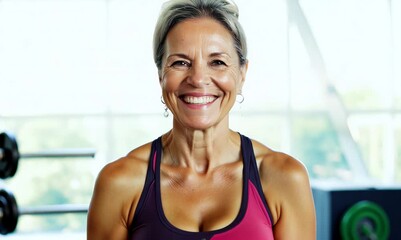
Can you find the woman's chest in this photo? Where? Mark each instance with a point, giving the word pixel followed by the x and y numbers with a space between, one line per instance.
pixel 201 205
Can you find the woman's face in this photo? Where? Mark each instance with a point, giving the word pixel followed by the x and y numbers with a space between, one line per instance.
pixel 200 75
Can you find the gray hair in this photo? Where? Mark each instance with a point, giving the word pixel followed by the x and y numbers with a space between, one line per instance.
pixel 176 11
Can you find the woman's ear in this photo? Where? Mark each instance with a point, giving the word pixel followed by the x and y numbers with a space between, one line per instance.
pixel 243 71
pixel 160 76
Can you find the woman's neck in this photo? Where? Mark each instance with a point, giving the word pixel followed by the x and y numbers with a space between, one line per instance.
pixel 200 150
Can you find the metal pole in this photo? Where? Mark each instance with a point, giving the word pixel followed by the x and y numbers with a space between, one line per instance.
pixel 64 153
pixel 54 209
pixel 1 154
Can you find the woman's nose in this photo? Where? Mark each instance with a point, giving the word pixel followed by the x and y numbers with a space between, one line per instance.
pixel 199 75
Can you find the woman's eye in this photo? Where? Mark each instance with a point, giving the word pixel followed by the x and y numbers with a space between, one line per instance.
pixel 218 63
pixel 180 64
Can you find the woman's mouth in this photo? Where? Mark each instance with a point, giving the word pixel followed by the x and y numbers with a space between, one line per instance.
pixel 201 100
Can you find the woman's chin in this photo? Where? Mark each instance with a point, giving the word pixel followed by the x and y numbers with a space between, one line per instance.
pixel 199 123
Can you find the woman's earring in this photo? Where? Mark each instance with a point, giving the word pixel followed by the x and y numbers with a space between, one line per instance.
pixel 166 113
pixel 240 98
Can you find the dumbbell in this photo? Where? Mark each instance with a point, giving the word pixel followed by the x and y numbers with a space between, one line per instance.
pixel 9 154
pixel 10 213
pixel 365 220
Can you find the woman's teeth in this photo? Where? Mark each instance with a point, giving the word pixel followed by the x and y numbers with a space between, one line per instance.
pixel 199 100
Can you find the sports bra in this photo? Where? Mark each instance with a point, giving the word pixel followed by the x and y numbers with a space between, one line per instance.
pixel 253 221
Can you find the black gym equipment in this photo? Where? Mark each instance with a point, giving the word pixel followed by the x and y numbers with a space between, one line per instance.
pixel 351 212
pixel 10 212
pixel 9 155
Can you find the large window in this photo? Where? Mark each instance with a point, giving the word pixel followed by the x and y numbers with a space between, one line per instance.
pixel 323 85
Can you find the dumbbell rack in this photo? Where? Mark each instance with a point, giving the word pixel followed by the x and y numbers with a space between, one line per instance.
pixel 9 159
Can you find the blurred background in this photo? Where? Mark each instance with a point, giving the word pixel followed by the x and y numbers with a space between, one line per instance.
pixel 324 85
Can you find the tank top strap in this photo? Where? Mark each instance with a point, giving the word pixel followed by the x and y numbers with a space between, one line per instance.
pixel 155 154
pixel 253 170
pixel 247 153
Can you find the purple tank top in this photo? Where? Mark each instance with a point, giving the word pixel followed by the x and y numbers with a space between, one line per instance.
pixel 253 221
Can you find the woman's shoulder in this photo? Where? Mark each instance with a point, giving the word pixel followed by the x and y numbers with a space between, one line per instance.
pixel 118 188
pixel 284 179
pixel 277 163
pixel 287 189
pixel 127 170
pixel 124 179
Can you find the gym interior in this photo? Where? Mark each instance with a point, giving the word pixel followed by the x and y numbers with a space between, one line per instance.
pixel 79 89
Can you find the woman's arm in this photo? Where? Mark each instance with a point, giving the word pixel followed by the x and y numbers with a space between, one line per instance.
pixel 117 190
pixel 286 185
pixel 105 215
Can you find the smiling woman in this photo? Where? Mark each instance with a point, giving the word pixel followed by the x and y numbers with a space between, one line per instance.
pixel 201 179
pixel 81 73
pixel 200 74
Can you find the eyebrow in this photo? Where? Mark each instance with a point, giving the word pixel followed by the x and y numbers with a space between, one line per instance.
pixel 215 54
pixel 181 55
